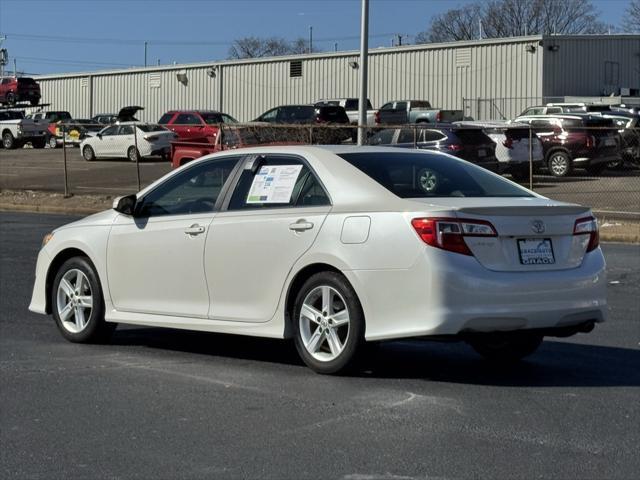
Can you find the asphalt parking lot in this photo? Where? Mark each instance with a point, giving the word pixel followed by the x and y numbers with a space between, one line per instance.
pixel 615 192
pixel 170 404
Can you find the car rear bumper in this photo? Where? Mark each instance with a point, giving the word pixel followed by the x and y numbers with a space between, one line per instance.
pixel 451 294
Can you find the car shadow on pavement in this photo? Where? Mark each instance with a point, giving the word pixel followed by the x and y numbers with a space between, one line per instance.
pixel 556 364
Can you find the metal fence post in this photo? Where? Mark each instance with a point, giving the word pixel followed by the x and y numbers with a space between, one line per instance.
pixel 415 137
pixel 135 142
pixel 64 159
pixel 530 158
pixel 311 135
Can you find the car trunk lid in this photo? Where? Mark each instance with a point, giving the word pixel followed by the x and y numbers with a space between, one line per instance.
pixel 531 234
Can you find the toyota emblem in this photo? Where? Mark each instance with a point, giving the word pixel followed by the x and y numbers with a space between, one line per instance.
pixel 537 226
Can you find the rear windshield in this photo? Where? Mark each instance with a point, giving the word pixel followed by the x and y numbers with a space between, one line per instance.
pixel 297 113
pixel 425 175
pixel 334 114
pixel 152 128
pixel 472 136
pixel 352 104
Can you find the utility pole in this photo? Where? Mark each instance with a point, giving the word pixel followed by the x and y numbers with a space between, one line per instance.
pixel 3 55
pixel 15 68
pixel 145 54
pixel 335 47
pixel 364 70
pixel 399 39
pixel 310 39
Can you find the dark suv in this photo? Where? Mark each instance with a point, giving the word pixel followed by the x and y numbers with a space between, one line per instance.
pixel 468 143
pixel 322 115
pixel 19 89
pixel 575 140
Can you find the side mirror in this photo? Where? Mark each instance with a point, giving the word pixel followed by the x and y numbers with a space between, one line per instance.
pixel 99 135
pixel 125 205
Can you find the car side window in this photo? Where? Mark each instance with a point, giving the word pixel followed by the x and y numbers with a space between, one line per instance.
pixel 401 106
pixel 387 106
pixel 194 190
pixel 385 137
pixel 269 116
pixel 125 130
pixel 432 136
pixel 278 182
pixel 109 131
pixel 187 119
pixel 407 135
pixel 228 119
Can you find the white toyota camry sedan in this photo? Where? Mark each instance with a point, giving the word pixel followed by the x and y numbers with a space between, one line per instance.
pixel 131 140
pixel 333 247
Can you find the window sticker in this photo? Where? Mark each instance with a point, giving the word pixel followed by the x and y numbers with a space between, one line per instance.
pixel 274 184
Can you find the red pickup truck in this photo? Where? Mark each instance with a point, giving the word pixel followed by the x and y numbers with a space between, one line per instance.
pixel 183 152
pixel 19 89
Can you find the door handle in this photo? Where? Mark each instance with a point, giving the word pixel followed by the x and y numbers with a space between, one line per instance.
pixel 300 226
pixel 194 230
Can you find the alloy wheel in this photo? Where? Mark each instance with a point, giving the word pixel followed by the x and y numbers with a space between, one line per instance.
pixel 74 301
pixel 559 165
pixel 324 323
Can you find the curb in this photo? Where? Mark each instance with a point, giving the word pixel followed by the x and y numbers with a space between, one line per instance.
pixel 9 207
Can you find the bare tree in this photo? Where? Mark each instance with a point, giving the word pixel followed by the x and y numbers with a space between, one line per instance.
pixel 631 22
pixel 254 47
pixel 510 18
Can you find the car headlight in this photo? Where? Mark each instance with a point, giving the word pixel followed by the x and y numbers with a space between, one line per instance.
pixel 46 239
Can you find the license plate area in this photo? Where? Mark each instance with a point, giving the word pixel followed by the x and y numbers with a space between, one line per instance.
pixel 536 251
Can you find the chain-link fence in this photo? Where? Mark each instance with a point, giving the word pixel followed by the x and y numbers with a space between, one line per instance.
pixel 591 164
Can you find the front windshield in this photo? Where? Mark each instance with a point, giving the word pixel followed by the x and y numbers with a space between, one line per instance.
pixel 425 175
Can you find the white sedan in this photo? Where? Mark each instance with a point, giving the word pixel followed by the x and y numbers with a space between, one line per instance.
pixel 131 140
pixel 333 246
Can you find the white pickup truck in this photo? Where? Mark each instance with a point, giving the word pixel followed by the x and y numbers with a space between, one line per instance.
pixel 15 131
pixel 351 107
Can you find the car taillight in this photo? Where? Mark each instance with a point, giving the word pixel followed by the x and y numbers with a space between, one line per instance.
pixel 591 141
pixel 438 117
pixel 588 226
pixel 455 147
pixel 508 143
pixel 376 116
pixel 448 233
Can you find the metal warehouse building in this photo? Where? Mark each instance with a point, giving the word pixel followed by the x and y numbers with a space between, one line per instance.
pixel 495 78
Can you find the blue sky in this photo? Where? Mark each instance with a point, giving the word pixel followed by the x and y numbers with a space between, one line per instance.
pixel 106 34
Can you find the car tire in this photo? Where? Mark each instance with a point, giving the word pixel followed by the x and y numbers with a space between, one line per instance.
pixel 39 143
pixel 8 141
pixel 133 154
pixel 330 342
pixel 559 164
pixel 77 303
pixel 506 347
pixel 53 142
pixel 34 101
pixel 10 98
pixel 88 154
pixel 616 164
pixel 596 169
